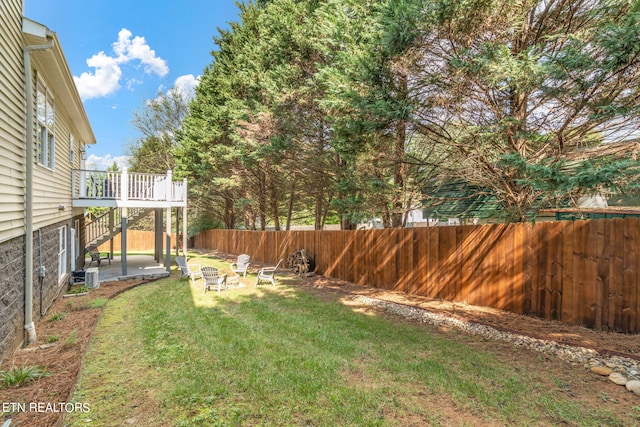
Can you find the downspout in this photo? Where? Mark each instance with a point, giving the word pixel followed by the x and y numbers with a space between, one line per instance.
pixel 28 284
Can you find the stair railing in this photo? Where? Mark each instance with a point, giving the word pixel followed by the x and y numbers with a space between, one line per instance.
pixel 107 224
pixel 102 225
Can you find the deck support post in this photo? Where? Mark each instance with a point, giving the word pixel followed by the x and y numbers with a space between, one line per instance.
pixel 184 229
pixel 158 235
pixel 123 241
pixel 177 231
pixel 168 240
pixel 124 195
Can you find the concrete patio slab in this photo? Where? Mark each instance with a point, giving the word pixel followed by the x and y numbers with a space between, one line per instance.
pixel 138 266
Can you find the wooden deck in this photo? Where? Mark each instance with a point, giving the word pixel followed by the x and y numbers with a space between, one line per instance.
pixel 124 189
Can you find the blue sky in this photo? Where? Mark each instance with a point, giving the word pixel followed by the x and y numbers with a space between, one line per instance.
pixel 122 53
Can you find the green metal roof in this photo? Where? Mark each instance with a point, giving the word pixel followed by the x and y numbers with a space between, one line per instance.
pixel 457 199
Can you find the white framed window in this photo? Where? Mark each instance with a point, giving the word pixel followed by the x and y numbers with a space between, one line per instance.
pixel 45 141
pixel 72 149
pixel 62 252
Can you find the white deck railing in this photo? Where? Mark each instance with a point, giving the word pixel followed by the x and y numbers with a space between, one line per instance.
pixel 125 186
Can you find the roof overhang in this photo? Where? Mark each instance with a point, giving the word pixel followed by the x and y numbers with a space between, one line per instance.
pixel 53 66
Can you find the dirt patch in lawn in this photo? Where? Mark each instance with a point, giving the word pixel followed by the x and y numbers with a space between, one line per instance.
pixel 63 335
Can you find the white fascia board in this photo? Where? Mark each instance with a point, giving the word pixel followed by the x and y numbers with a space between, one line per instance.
pixel 34 28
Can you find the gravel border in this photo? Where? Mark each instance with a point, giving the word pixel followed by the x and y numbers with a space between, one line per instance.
pixel 587 357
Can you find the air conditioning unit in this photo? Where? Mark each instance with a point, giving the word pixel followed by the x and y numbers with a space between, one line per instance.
pixel 91 278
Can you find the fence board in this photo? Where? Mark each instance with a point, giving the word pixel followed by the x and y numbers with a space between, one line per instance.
pixel 601 273
pixel 464 261
pixel 504 278
pixel 591 274
pixel 510 269
pixel 567 273
pixel 413 266
pixel 422 261
pixel 629 275
pixel 404 257
pixel 518 270
pixel 492 297
pixel 433 271
pixel 579 270
pixel 447 257
pixel 617 272
pixel 457 287
pixel 555 279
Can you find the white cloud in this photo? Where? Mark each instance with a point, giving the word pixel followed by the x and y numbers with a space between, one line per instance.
pixel 105 80
pixel 138 48
pixel 184 88
pixel 102 163
pixel 132 82
pixel 187 85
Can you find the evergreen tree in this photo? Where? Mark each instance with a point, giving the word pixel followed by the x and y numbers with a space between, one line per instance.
pixel 510 89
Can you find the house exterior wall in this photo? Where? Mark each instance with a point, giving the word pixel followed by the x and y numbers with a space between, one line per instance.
pixel 52 186
pixel 12 122
pixel 53 214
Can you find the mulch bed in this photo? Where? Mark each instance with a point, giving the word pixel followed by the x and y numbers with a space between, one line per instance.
pixel 44 401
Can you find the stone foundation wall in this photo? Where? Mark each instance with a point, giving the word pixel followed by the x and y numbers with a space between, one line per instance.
pixel 46 243
pixel 11 294
pixel 46 246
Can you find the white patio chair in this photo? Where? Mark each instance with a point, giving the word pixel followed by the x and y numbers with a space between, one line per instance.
pixel 268 274
pixel 212 279
pixel 241 265
pixel 191 270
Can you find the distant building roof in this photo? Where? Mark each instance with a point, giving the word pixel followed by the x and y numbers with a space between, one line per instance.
pixel 593 213
pixel 457 199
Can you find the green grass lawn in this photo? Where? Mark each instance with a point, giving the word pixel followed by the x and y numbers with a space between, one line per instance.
pixel 167 354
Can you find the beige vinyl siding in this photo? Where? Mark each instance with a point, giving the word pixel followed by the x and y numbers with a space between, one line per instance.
pixel 52 188
pixel 12 117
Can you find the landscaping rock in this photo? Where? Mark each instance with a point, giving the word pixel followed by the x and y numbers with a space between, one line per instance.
pixel 633 386
pixel 602 370
pixel 617 378
pixel 605 365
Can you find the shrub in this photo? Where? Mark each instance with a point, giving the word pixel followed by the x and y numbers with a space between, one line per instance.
pixel 57 316
pixel 51 339
pixel 72 339
pixel 98 303
pixel 79 290
pixel 19 375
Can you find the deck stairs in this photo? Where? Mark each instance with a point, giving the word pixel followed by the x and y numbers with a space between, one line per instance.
pixel 108 225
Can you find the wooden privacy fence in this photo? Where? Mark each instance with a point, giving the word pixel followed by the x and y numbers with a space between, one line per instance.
pixel 137 240
pixel 583 272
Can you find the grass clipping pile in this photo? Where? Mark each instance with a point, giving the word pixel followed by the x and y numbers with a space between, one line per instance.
pixel 62 338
